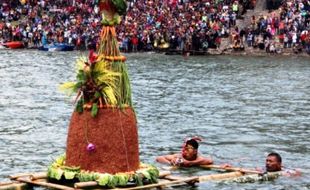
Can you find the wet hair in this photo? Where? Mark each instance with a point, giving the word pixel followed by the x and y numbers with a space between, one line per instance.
pixel 193 143
pixel 278 157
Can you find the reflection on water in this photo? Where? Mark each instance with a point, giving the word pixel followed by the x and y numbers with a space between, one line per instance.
pixel 243 107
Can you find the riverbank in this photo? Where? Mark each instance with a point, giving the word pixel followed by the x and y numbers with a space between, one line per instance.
pixel 238 52
pixel 227 51
pixel 257 52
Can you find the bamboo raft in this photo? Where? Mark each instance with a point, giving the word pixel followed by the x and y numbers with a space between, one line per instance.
pixel 24 181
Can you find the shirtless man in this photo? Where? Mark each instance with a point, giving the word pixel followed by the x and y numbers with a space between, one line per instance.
pixel 188 157
pixel 274 164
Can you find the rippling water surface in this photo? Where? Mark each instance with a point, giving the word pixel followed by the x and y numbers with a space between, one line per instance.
pixel 243 108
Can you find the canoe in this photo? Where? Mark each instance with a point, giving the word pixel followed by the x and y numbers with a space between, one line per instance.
pixel 14 44
pixel 57 47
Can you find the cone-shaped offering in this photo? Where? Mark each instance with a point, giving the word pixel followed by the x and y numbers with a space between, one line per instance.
pixel 102 143
pixel 104 117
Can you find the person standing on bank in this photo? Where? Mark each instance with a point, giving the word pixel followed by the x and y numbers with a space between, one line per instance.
pixel 188 157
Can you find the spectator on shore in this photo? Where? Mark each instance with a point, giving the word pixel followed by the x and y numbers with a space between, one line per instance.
pixel 156 25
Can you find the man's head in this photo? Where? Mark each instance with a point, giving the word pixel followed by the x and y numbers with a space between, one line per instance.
pixel 273 162
pixel 190 149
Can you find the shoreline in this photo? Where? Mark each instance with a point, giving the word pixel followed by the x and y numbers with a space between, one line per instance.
pixel 262 53
pixel 230 51
pixel 210 52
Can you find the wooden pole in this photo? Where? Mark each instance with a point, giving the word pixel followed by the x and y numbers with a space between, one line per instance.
pixel 210 177
pixel 160 184
pixel 162 174
pixel 13 186
pixel 15 176
pixel 218 167
pixel 6 183
pixel 81 185
pixel 43 183
pixel 37 175
pixel 41 175
pixel 33 176
pixel 220 176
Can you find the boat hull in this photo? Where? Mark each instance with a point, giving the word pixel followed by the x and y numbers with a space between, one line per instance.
pixel 14 44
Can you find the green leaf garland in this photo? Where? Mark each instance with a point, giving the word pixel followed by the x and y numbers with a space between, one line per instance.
pixel 146 173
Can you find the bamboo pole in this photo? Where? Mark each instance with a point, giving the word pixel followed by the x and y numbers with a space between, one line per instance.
pixel 160 184
pixel 6 183
pixel 44 183
pixel 219 167
pixel 15 176
pixel 162 174
pixel 173 177
pixel 14 186
pixel 243 170
pixel 220 176
pixel 210 177
pixel 40 175
pixel 81 185
pixel 33 176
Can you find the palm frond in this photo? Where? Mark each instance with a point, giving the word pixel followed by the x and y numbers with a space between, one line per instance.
pixel 101 65
pixel 68 88
pixel 107 79
pixel 123 83
pixel 80 63
pixel 110 95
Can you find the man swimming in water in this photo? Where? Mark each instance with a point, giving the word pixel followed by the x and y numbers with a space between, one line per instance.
pixel 188 157
pixel 274 164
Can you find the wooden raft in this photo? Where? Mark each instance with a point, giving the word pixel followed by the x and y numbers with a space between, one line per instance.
pixel 25 180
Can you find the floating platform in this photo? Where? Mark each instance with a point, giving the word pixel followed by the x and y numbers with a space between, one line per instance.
pixel 166 179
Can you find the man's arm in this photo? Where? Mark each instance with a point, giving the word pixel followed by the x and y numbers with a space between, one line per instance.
pixel 166 159
pixel 291 173
pixel 199 161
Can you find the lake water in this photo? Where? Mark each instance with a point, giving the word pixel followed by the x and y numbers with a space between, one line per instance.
pixel 243 108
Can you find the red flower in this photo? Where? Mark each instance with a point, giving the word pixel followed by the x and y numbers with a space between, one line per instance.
pixel 92 57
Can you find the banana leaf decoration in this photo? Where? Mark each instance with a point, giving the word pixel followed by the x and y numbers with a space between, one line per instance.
pixel 146 174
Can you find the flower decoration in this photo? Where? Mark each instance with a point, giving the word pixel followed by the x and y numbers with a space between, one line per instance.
pixel 90 147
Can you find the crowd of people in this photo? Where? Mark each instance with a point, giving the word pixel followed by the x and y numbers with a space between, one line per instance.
pixel 181 25
pixel 150 25
pixel 288 27
pixel 74 22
